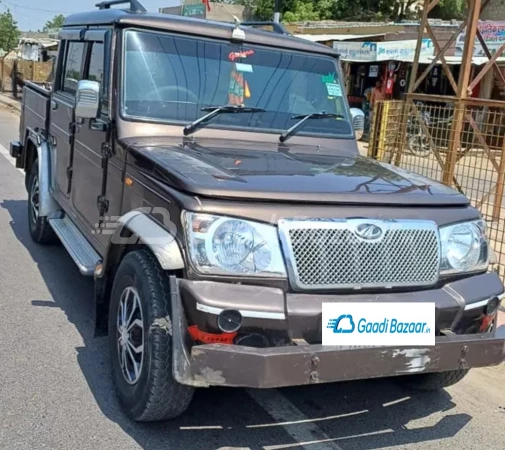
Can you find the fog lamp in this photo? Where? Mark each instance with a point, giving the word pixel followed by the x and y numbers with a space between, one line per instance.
pixel 229 321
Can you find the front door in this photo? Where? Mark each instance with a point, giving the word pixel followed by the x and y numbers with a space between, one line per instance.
pixel 62 115
pixel 93 176
pixel 90 136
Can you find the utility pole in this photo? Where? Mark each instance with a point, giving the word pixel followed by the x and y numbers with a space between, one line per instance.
pixel 277 11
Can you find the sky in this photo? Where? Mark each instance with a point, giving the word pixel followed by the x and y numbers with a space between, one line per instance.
pixel 33 14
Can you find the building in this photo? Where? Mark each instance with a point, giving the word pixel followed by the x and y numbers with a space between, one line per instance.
pixel 495 10
pixel 217 11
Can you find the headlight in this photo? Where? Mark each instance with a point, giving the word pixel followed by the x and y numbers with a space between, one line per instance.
pixel 464 247
pixel 227 246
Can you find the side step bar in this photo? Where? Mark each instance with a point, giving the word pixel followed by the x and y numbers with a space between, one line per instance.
pixel 81 251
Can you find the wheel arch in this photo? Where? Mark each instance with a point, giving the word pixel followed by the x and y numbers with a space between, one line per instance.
pixel 38 150
pixel 135 230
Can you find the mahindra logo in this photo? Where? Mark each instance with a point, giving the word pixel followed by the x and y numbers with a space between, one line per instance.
pixel 368 232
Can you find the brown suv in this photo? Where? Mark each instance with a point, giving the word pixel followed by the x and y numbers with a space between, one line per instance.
pixel 207 176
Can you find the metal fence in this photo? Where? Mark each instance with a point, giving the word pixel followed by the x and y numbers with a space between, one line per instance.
pixel 422 136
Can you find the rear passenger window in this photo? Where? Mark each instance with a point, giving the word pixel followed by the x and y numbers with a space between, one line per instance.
pixel 73 66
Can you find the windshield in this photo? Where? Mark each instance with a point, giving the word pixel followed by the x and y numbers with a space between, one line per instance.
pixel 170 78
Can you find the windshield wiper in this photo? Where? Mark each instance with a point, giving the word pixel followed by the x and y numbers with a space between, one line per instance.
pixel 322 115
pixel 216 111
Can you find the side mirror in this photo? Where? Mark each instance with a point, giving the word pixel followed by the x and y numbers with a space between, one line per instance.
pixel 87 99
pixel 358 122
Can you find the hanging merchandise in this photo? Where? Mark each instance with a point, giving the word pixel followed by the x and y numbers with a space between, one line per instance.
pixel 434 76
pixel 390 77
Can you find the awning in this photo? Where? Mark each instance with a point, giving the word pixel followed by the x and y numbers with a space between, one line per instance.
pixel 456 60
pixel 382 51
pixel 336 37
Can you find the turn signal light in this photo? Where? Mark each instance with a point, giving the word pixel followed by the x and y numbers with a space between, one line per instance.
pixel 486 323
pixel 208 338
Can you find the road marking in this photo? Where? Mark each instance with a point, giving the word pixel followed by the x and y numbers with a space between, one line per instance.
pixel 5 153
pixel 306 433
pixel 318 419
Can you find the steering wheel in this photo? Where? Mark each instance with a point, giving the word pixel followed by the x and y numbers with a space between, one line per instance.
pixel 176 91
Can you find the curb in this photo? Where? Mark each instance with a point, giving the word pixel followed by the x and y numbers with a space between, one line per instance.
pixel 15 106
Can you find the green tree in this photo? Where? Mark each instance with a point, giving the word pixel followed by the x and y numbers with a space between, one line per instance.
pixel 364 10
pixel 359 10
pixel 450 9
pixel 54 24
pixel 302 11
pixel 9 32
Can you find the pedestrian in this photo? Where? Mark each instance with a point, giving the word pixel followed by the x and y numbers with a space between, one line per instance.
pixel 378 94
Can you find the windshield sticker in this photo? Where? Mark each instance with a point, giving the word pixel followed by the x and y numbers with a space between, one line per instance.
pixel 233 56
pixel 236 90
pixel 330 78
pixel 244 67
pixel 334 90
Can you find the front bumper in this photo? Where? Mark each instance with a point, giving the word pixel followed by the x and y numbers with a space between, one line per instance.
pixel 239 366
pixel 294 366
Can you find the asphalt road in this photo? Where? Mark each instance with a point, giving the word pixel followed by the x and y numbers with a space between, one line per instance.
pixel 55 390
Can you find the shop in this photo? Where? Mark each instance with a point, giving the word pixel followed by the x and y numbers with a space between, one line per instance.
pixel 367 62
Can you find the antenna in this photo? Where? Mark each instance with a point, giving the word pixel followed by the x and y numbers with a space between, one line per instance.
pixel 238 33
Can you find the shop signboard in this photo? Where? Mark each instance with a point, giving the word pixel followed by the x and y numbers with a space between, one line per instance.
pixel 493 34
pixel 382 51
pixel 195 11
pixel 356 51
pixel 403 50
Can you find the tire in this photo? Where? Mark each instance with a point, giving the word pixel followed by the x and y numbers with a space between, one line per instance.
pixel 40 229
pixel 418 146
pixel 149 393
pixel 433 381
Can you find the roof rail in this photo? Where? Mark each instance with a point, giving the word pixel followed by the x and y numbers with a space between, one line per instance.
pixel 277 27
pixel 135 5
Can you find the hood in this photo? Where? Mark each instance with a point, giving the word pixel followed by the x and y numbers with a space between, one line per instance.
pixel 294 173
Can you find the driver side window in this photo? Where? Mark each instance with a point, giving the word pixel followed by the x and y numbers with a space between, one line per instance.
pixel 96 71
pixel 73 67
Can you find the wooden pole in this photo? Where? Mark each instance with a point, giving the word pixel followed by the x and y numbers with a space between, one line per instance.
pixel 462 94
pixel 500 186
pixel 422 26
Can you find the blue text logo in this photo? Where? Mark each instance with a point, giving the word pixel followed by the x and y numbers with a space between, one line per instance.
pixel 344 324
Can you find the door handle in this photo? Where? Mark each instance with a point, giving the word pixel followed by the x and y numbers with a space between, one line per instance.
pixel 54 105
pixel 98 125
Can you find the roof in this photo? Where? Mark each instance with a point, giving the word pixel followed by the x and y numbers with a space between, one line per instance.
pixel 457 60
pixel 336 37
pixel 344 24
pixel 41 42
pixel 190 26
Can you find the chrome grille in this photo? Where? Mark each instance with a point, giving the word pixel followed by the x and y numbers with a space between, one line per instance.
pixel 326 254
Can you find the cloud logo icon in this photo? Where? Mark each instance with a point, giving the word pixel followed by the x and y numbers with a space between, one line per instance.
pixel 344 324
